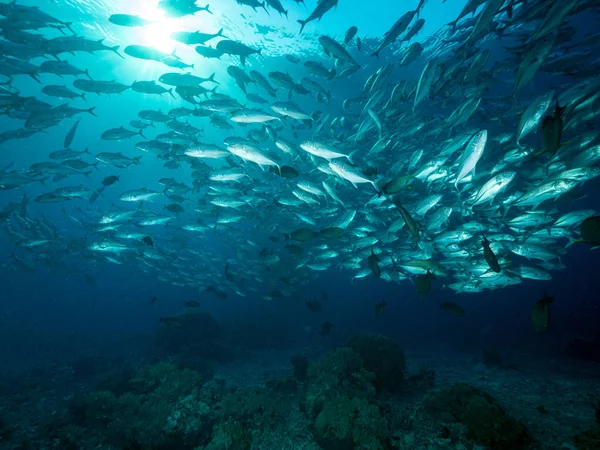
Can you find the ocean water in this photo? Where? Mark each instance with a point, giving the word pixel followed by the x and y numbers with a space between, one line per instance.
pixel 316 238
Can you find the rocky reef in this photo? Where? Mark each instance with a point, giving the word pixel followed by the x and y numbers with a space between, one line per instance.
pixel 485 421
pixel 359 396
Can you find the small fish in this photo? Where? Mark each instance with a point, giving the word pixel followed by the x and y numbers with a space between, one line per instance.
pixel 110 180
pixel 313 306
pixel 452 308
pixel 490 257
pixel 380 308
pixel 373 261
pixel 175 322
pixel 423 283
pixel 326 328
pixel 541 314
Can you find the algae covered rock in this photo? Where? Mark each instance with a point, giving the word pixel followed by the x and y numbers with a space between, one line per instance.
pixel 351 423
pixel 381 356
pixel 485 420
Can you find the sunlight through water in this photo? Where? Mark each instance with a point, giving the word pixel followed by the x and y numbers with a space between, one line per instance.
pixel 158 33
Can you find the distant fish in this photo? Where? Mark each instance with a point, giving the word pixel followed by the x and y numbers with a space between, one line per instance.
pixel 452 308
pixel 423 283
pixel 127 20
pixel 71 134
pixel 322 8
pixel 373 261
pixel 380 308
pixel 326 327
pixel 350 34
pixel 541 314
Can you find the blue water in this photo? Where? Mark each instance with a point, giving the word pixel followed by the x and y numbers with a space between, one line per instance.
pixel 71 302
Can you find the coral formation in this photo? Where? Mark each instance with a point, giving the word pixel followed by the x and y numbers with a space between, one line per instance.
pixel 163 409
pixel 338 373
pixel 351 423
pixel 485 420
pixel 383 357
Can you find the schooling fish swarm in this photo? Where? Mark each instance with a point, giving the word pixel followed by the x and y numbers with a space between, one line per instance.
pixel 461 174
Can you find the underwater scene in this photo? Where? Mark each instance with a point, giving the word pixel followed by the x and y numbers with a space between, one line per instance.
pixel 299 224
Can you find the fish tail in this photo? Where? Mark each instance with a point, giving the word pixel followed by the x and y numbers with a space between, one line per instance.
pixel 137 160
pixel 302 25
pixel 141 133
pixel 170 91
pixel 83 97
pixel 68 26
pixel 115 49
pixel 87 73
pixel 91 111
pixel 206 8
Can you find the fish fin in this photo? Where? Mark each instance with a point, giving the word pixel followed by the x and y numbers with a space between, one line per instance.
pixel 302 25
pixel 115 49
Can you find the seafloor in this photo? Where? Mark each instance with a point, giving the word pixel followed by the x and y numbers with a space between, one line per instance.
pixel 196 393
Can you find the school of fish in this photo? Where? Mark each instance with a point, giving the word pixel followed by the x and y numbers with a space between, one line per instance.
pixel 459 160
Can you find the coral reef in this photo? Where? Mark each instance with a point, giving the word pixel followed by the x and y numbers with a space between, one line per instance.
pixel 381 356
pixel 342 393
pixel 485 421
pixel 351 423
pixel 338 373
pixel 163 409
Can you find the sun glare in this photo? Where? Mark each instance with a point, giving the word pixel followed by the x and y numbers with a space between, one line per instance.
pixel 158 33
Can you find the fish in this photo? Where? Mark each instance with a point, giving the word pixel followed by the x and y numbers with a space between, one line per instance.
pixel 541 314
pixel 423 283
pixel 327 326
pixel 127 20
pixel 373 261
pixel 380 309
pixel 321 9
pixel 490 256
pixel 313 306
pixel 398 28
pixel 452 308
